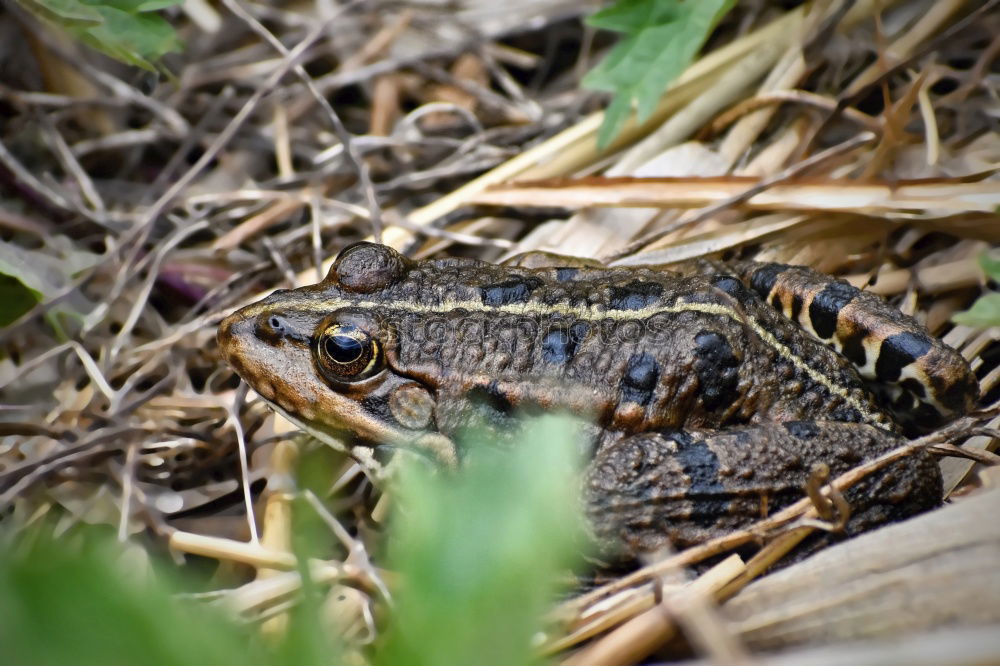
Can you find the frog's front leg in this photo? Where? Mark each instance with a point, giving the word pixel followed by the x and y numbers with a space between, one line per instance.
pixel 681 488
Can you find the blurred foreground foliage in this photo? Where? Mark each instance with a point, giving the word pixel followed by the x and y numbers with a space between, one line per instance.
pixel 126 30
pixel 77 599
pixel 985 312
pixel 478 554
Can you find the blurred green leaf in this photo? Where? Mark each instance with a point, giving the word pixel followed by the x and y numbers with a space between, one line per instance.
pixel 985 312
pixel 82 601
pixel 126 30
pixel 478 552
pixel 16 298
pixel 135 6
pixel 137 39
pixel 29 276
pixel 990 265
pixel 24 281
pixel 661 37
pixel 63 12
pixel 32 268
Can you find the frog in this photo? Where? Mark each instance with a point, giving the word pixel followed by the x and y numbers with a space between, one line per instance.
pixel 711 390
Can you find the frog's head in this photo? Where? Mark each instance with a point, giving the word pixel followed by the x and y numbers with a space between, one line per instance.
pixel 318 355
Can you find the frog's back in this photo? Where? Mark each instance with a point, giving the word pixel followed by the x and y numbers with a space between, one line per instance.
pixel 639 349
pixel 390 346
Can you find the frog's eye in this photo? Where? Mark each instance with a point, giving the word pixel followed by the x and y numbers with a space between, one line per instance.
pixel 345 353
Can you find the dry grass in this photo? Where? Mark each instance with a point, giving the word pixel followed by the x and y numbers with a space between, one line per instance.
pixel 859 138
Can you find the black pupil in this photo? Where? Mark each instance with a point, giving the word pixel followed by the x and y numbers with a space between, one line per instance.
pixel 343 348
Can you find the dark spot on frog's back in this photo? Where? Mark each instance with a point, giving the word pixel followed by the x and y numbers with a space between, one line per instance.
pixel 513 291
pixel 827 304
pixel 897 352
pixel 566 274
pixel 560 345
pixel 641 375
pixel 635 295
pixel 801 429
pixel 797 307
pixel 764 278
pixel 557 346
pixel 717 369
pixel 732 286
pixel 701 467
pixel 847 414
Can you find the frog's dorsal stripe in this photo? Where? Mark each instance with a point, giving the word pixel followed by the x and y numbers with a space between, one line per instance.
pixel 597 313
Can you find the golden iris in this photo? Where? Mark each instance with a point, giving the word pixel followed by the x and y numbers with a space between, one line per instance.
pixel 347 353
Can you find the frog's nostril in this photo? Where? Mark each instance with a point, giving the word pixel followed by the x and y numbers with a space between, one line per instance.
pixel 271 328
pixel 276 323
pixel 275 328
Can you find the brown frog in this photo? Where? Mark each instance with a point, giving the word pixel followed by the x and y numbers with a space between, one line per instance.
pixel 712 390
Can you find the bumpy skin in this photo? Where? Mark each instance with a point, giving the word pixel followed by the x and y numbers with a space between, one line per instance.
pixel 683 488
pixel 635 351
pixel 920 378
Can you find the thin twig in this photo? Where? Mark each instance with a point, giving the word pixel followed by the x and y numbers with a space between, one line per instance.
pixel 345 137
pixel 211 152
pixel 708 212
pixel 51 196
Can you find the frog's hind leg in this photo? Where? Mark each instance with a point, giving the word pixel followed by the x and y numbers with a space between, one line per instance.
pixel 681 488
pixel 926 382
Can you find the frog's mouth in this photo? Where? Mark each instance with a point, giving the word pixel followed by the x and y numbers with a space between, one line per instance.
pixel 361 452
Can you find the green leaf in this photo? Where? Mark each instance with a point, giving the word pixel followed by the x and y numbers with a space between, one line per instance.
pixel 64 12
pixel 24 281
pixel 633 15
pixel 615 117
pixel 661 38
pixel 28 276
pixel 137 39
pixel 78 600
pixel 16 298
pixel 990 265
pixel 134 6
pixel 126 30
pixel 479 551
pixel 985 312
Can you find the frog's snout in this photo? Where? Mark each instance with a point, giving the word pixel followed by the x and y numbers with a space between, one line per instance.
pixel 231 335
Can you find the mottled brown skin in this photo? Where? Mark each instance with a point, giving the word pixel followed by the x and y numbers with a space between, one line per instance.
pixel 386 350
pixel 684 488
